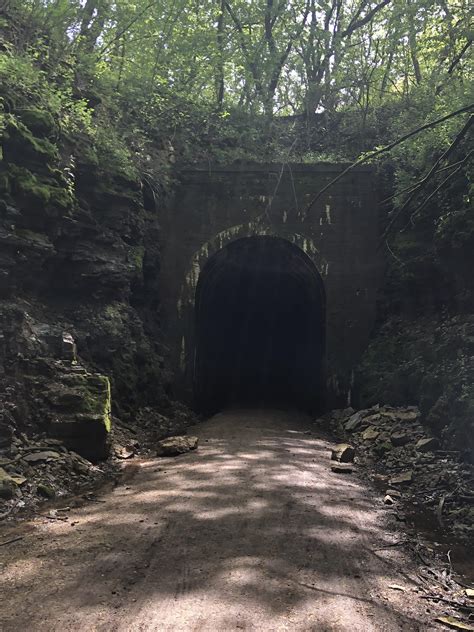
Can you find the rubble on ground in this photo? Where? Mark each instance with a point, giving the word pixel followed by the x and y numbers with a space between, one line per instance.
pixel 43 468
pixel 342 468
pixel 408 464
pixel 35 468
pixel 60 429
pixel 174 446
pixel 343 452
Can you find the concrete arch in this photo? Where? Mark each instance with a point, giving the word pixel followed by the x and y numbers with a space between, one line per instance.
pixel 241 231
pixel 215 205
pixel 269 294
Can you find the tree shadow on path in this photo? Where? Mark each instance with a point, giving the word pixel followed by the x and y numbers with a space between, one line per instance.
pixel 252 531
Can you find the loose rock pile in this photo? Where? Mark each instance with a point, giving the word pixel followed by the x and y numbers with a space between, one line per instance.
pixel 41 469
pixel 37 468
pixel 408 464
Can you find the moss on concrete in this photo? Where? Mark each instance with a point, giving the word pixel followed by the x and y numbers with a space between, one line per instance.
pixel 84 394
pixel 83 407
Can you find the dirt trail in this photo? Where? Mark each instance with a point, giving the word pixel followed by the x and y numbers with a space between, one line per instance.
pixel 251 532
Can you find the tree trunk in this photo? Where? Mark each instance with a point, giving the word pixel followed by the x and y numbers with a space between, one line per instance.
pixel 220 85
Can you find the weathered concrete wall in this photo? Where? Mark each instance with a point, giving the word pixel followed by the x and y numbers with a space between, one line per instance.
pixel 214 206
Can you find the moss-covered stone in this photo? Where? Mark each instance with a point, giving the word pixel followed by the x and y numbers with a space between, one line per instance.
pixel 39 122
pixel 47 491
pixel 32 190
pixel 136 255
pixel 82 402
pixel 8 486
pixel 21 146
pixel 34 239
pixel 25 183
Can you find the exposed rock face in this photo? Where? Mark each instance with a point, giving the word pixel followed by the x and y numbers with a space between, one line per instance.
pixel 428 361
pixel 79 304
pixel 61 398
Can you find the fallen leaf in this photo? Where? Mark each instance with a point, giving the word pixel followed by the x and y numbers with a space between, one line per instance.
pixel 455 624
pixel 397 587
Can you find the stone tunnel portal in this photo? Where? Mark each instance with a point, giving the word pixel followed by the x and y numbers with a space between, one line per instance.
pixel 260 327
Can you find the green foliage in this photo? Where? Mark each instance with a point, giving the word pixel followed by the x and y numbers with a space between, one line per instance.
pixel 132 86
pixel 124 89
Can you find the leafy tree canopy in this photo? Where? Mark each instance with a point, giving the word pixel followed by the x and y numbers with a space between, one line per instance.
pixel 239 79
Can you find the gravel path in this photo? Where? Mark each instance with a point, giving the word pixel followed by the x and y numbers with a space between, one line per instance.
pixel 251 532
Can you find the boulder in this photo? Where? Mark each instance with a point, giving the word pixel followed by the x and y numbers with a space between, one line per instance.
pixel 400 438
pixel 354 421
pixel 407 414
pixel 18 479
pixel 81 402
pixel 172 446
pixel 343 452
pixel 383 448
pixel 79 465
pixel 370 434
pixel 37 457
pixel 124 452
pixel 427 444
pixel 8 486
pixel 339 415
pixel 45 490
pixel 394 493
pixel 403 478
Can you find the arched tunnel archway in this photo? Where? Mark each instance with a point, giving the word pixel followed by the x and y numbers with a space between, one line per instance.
pixel 260 327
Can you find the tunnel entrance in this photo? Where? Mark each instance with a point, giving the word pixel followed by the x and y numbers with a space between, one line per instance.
pixel 260 328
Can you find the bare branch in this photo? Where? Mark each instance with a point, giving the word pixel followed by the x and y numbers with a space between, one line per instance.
pixel 459 56
pixel 363 21
pixel 118 35
pixel 429 175
pixel 461 164
pixel 385 149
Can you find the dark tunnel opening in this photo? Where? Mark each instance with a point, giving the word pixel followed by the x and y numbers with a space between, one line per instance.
pixel 260 328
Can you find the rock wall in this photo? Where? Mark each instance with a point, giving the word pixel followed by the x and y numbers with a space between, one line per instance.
pixel 80 275
pixel 422 352
pixel 79 303
pixel 427 361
